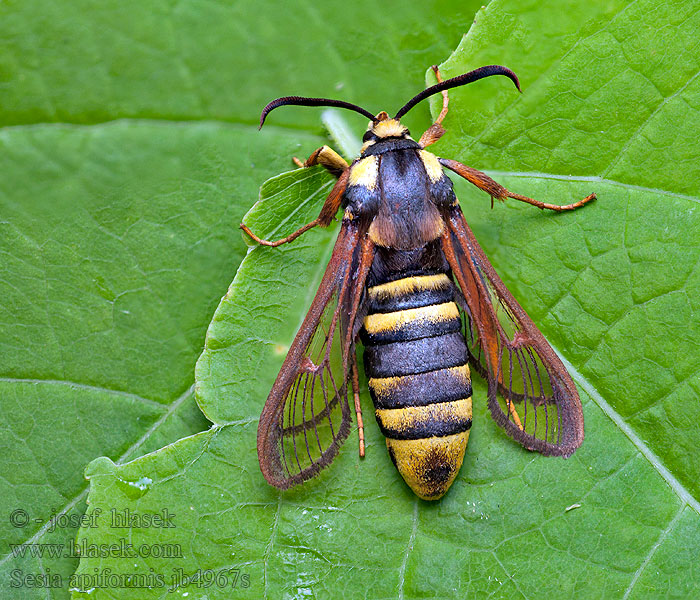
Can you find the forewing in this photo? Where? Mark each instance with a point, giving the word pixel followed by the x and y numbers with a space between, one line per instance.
pixel 530 393
pixel 307 416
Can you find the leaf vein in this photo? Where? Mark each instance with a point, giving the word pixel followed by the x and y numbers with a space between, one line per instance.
pixel 616 418
pixel 86 387
pixel 647 559
pixel 409 548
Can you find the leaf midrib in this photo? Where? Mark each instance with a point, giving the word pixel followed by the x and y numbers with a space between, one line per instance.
pixel 592 179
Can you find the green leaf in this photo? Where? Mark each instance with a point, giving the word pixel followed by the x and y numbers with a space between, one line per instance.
pixel 129 157
pixel 613 286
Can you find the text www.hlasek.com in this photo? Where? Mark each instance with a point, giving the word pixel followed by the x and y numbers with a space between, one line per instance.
pixel 82 549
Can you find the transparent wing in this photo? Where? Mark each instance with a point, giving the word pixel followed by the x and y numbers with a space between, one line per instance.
pixel 307 416
pixel 530 394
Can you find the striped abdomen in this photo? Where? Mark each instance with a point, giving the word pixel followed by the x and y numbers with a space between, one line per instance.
pixel 416 361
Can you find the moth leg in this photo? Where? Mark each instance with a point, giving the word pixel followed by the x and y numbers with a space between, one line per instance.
pixel 326 157
pixel 496 190
pixel 284 240
pixel 515 415
pixel 555 207
pixel 358 407
pixel 328 212
pixel 436 131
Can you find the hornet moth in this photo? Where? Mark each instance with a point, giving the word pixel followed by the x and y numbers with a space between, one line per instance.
pixel 408 278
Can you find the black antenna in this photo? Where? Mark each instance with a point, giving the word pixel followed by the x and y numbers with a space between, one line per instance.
pixel 474 75
pixel 301 101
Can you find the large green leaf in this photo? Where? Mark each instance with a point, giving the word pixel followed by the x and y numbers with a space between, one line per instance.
pixel 614 286
pixel 129 156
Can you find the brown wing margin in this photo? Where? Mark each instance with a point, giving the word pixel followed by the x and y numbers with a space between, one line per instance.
pixel 530 393
pixel 307 416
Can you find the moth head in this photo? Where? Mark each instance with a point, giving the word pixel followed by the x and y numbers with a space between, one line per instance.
pixel 383 127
